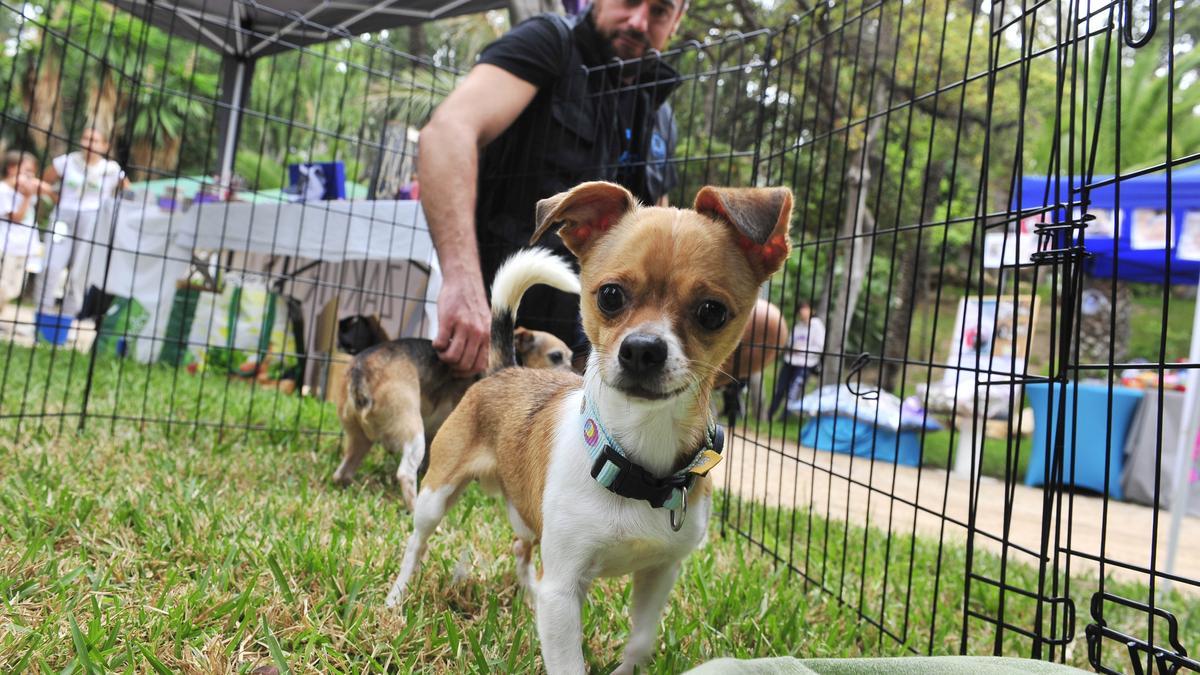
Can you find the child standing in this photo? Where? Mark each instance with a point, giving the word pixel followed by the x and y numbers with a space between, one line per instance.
pixel 808 342
pixel 86 178
pixel 19 192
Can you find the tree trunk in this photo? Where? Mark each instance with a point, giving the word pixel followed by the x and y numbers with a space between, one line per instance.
pixel 910 286
pixel 44 104
pixel 102 106
pixel 855 221
pixel 394 164
pixel 1099 306
pixel 416 40
pixel 160 154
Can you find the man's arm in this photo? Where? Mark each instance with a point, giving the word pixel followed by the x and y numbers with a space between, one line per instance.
pixel 486 103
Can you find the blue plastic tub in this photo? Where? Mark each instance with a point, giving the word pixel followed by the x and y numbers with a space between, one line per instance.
pixel 860 437
pixel 54 328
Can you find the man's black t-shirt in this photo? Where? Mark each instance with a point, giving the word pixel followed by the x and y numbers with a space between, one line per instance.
pixel 534 51
pixel 592 119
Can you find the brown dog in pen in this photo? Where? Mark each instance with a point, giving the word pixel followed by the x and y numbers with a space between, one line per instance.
pixel 398 393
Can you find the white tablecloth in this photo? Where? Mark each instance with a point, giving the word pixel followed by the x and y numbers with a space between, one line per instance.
pixel 329 232
pixel 326 231
pixel 1141 467
pixel 152 249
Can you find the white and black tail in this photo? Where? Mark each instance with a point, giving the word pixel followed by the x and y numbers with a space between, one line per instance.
pixel 525 269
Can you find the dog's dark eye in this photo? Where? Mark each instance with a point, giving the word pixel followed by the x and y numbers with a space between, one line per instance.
pixel 711 315
pixel 610 298
pixel 556 357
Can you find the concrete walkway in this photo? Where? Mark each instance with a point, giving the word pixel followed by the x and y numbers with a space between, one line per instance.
pixel 835 486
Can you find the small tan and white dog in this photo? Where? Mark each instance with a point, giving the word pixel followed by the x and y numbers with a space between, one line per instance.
pixel 607 471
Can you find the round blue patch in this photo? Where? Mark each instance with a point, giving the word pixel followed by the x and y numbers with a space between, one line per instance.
pixel 658 147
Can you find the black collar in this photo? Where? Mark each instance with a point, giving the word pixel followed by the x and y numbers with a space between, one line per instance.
pixel 612 468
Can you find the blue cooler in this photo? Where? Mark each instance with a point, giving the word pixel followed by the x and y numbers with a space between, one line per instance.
pixel 54 328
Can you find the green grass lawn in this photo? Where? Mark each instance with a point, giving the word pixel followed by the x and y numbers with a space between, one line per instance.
pixel 47 389
pixel 138 546
pixel 1146 325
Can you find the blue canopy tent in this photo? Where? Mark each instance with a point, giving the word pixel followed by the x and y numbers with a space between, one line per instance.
pixel 1137 226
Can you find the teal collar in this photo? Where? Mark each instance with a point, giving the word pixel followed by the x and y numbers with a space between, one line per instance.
pixel 612 468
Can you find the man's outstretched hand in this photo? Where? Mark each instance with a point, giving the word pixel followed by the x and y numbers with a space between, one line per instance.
pixel 464 326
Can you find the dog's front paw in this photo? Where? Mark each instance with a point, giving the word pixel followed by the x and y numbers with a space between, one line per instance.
pixel 395 596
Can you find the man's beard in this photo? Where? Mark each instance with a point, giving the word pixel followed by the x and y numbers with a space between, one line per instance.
pixel 634 36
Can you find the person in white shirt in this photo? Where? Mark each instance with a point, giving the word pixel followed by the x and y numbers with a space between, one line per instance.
pixel 19 192
pixel 86 179
pixel 808 341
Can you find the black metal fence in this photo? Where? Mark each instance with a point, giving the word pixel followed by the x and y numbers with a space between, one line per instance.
pixel 997 227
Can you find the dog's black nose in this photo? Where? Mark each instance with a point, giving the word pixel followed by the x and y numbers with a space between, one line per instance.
pixel 642 354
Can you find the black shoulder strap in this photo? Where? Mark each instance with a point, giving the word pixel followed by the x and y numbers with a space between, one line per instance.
pixel 565 27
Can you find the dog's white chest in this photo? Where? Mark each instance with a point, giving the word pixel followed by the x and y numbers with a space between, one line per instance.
pixel 607 534
pixel 638 538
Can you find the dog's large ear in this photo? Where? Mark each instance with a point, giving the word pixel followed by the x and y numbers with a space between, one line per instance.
pixel 760 218
pixel 586 212
pixel 523 338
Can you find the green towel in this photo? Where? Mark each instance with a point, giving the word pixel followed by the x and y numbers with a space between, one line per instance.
pixel 924 665
pixel 784 665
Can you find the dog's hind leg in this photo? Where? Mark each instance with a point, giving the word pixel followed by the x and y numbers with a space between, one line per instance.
pixel 431 506
pixel 397 423
pixel 354 449
pixel 412 456
pixel 523 555
pixel 443 485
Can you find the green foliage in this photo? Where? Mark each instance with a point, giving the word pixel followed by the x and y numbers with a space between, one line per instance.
pixel 1148 329
pixel 261 173
pixel 157 86
pixel 1132 87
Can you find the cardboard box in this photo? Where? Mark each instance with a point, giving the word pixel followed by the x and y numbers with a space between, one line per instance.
pixel 335 377
pixel 325 328
pixel 331 365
